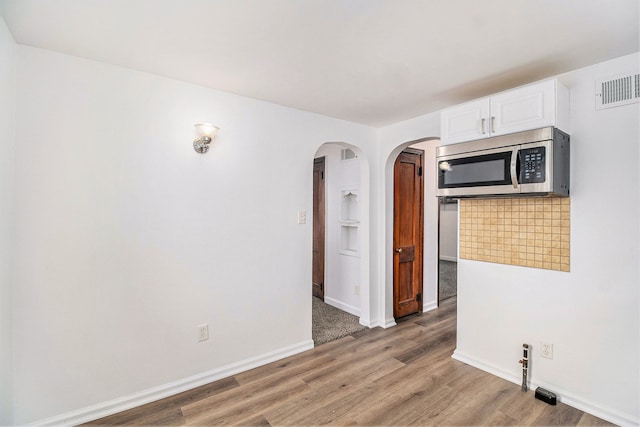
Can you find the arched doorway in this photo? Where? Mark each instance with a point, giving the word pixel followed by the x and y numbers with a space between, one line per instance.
pixel 343 282
pixel 430 243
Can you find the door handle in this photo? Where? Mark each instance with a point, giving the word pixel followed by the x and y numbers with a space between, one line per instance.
pixel 398 250
pixel 482 126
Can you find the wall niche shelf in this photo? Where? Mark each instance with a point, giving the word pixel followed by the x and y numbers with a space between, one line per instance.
pixel 349 222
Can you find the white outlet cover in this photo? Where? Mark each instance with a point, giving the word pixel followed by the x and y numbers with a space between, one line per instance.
pixel 546 350
pixel 203 332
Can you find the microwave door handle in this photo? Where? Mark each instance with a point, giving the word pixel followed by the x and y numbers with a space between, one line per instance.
pixel 514 172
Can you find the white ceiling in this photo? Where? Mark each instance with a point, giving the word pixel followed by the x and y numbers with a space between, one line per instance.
pixel 367 61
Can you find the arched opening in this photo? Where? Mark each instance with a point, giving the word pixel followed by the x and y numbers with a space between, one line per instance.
pixel 345 276
pixel 430 242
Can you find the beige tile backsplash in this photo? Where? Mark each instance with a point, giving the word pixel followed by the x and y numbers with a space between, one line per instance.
pixel 530 232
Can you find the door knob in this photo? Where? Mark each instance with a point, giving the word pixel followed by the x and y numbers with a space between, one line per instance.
pixel 399 250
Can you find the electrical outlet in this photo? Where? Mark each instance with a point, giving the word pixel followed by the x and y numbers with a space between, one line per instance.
pixel 356 289
pixel 203 332
pixel 546 350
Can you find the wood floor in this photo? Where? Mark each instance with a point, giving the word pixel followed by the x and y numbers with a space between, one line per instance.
pixel 399 376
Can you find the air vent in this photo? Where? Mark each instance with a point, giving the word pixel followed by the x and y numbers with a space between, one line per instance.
pixel 621 90
pixel 348 154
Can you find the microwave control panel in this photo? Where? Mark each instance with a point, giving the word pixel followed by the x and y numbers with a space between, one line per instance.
pixel 532 165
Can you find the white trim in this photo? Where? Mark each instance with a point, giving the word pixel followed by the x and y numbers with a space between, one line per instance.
pixel 363 322
pixel 431 305
pixel 342 306
pixel 103 409
pixel 371 324
pixel 448 258
pixel 487 367
pixel 389 323
pixel 564 396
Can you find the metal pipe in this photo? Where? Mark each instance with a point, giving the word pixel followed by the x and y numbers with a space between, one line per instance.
pixel 525 365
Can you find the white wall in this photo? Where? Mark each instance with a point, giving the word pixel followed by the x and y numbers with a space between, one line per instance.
pixel 590 315
pixel 7 163
pixel 342 271
pixel 449 231
pixel 128 239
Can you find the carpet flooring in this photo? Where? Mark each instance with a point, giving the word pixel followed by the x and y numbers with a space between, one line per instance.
pixel 448 279
pixel 330 323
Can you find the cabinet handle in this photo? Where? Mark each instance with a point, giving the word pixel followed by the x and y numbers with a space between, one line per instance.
pixel 482 126
pixel 493 128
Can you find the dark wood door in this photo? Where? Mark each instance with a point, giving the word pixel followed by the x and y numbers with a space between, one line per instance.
pixel 407 233
pixel 317 278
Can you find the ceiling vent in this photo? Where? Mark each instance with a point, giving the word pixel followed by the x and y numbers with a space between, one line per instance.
pixel 621 90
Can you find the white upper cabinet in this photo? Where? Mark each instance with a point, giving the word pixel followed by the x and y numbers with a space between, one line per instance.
pixel 528 107
pixel 465 122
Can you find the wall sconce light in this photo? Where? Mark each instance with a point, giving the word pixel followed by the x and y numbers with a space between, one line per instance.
pixel 206 132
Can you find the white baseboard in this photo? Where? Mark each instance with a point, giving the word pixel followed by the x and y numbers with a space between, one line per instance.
pixel 564 396
pixel 378 324
pixel 428 306
pixel 487 367
pixel 114 406
pixel 389 323
pixel 448 258
pixel 342 306
pixel 369 324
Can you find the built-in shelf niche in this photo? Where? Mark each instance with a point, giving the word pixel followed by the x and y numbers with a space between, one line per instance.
pixel 349 222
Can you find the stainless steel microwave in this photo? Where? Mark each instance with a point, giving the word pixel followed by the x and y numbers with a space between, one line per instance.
pixel 534 163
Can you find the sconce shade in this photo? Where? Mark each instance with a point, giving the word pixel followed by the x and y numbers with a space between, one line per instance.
pixel 207 129
pixel 206 132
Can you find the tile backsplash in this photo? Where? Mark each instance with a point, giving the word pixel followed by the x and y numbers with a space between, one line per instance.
pixel 530 232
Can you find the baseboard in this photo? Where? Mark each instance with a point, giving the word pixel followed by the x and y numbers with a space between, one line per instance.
pixel 431 305
pixel 448 258
pixel 564 396
pixel 378 324
pixel 94 412
pixel 342 306
pixel 487 367
pixel 389 323
pixel 370 324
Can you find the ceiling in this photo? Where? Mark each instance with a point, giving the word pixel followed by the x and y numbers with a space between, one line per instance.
pixel 373 62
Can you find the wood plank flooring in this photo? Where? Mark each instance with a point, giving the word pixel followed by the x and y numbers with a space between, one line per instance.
pixel 399 376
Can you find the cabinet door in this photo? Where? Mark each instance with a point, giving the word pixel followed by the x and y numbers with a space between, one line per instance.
pixel 529 107
pixel 465 122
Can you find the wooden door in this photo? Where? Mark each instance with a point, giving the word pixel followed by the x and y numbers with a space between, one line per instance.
pixel 407 233
pixel 317 278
